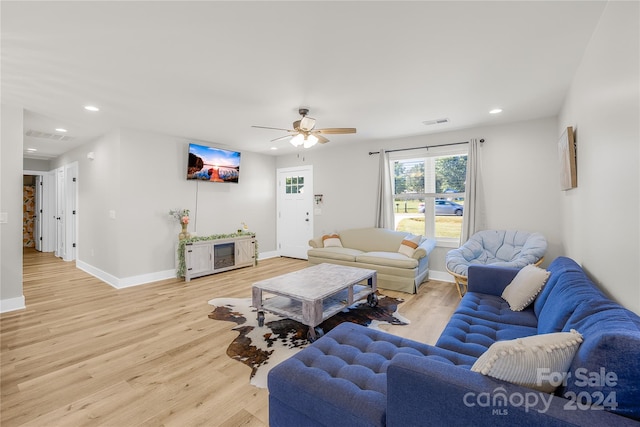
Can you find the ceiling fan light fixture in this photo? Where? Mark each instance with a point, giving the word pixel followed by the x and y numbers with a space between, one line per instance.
pixel 310 141
pixel 297 140
pixel 307 123
pixel 305 133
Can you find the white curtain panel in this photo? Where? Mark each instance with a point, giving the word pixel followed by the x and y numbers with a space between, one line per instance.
pixel 471 221
pixel 384 203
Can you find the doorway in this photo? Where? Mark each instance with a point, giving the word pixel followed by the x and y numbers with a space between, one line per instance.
pixel 66 196
pixel 295 211
pixel 38 212
pixel 31 208
pixel 49 206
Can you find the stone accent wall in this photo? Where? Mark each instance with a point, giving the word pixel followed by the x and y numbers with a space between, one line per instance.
pixel 28 216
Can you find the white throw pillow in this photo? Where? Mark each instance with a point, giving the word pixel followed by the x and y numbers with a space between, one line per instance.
pixel 409 245
pixel 539 362
pixel 525 287
pixel 331 240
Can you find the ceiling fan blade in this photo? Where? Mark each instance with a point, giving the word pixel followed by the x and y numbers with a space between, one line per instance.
pixel 266 127
pixel 282 137
pixel 335 131
pixel 321 139
pixel 307 123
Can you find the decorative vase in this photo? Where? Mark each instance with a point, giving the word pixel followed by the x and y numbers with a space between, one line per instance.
pixel 184 234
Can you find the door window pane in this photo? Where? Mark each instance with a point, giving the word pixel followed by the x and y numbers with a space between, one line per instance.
pixel 294 185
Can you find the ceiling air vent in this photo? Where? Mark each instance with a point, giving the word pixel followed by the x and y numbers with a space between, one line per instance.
pixel 46 135
pixel 436 122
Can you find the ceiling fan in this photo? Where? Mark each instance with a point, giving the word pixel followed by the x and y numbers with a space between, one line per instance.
pixel 304 132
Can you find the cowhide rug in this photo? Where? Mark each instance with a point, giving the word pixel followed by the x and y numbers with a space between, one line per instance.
pixel 261 348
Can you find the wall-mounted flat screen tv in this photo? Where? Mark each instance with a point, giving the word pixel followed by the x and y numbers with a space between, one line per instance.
pixel 213 164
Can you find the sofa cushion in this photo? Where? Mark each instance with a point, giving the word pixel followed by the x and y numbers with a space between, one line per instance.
pixel 569 287
pixel 342 376
pixel 335 253
pixel 480 320
pixel 390 259
pixel 524 288
pixel 495 309
pixel 472 336
pixel 389 272
pixel 557 312
pixel 606 364
pixel 372 239
pixel 331 240
pixel 519 361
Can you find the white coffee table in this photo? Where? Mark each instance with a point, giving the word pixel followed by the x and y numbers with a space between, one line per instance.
pixel 312 295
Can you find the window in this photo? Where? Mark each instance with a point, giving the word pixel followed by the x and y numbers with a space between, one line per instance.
pixel 294 184
pixel 429 192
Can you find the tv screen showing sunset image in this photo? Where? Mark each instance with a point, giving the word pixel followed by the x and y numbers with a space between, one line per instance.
pixel 213 164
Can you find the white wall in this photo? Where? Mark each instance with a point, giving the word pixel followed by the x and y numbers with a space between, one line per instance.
pixel 519 163
pixel 139 177
pixel 601 216
pixel 98 193
pixel 11 297
pixel 346 177
pixel 521 180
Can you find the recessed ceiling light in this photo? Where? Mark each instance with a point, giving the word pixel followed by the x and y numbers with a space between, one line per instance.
pixel 31 150
pixel 61 130
pixel 274 148
pixel 91 108
pixel 495 111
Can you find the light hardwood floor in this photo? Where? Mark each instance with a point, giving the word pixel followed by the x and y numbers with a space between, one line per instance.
pixel 84 353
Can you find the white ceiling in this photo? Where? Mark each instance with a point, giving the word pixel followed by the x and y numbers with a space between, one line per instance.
pixel 210 70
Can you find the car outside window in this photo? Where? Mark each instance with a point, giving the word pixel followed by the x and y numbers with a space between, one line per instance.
pixel 429 194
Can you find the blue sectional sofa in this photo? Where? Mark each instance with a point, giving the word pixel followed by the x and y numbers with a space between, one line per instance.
pixel 356 376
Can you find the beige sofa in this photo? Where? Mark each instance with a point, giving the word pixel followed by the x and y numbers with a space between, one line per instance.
pixel 377 249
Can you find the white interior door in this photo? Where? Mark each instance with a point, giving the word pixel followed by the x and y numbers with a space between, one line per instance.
pixel 59 214
pixel 48 217
pixel 70 194
pixel 295 211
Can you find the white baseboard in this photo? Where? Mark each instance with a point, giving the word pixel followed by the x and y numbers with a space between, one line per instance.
pixel 96 272
pixel 127 282
pixel 443 276
pixel 146 278
pixel 141 279
pixel 12 304
pixel 267 255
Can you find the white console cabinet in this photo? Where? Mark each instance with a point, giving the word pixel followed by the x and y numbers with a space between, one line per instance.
pixel 214 256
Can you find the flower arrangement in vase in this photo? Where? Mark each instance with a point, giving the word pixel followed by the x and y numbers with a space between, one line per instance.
pixel 182 215
pixel 244 229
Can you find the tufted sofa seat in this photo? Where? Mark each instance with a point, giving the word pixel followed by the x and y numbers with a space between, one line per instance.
pixel 348 368
pixel 357 376
pixel 481 320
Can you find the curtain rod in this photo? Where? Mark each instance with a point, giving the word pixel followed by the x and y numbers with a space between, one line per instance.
pixel 426 146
